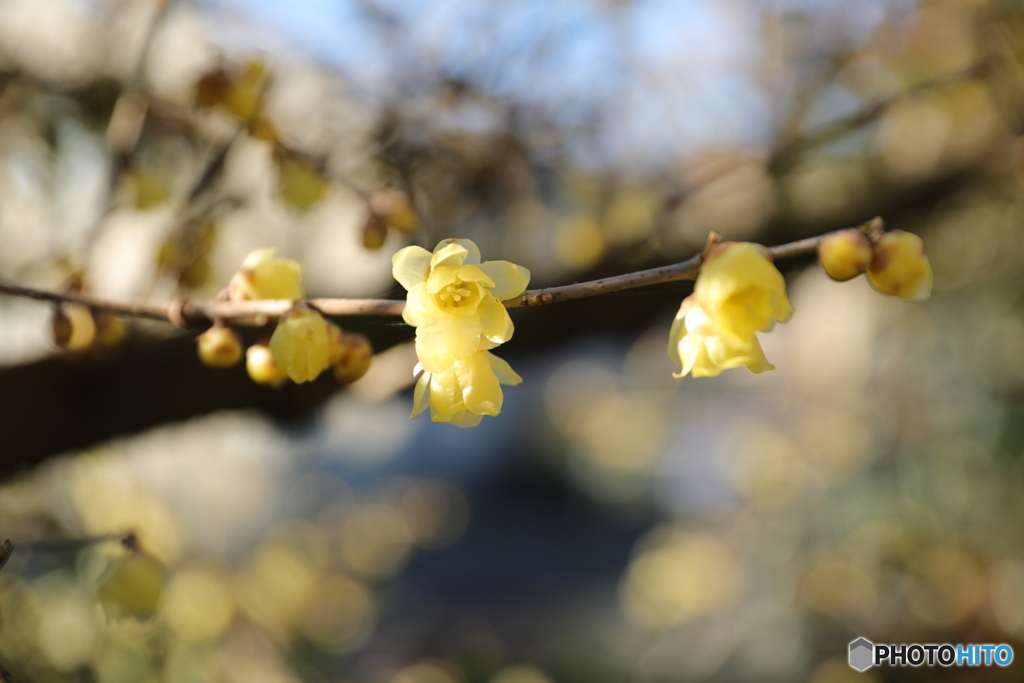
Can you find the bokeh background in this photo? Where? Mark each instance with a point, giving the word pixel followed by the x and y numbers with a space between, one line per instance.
pixel 613 524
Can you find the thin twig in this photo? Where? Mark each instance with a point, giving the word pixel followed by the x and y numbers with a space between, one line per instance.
pixel 259 312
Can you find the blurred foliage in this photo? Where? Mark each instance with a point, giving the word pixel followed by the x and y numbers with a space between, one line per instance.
pixel 613 524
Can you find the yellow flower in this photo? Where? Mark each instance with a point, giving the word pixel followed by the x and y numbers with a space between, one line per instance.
pixel 742 292
pixel 900 267
pixel 465 392
pixel 696 347
pixel 265 275
pixel 454 300
pixel 301 345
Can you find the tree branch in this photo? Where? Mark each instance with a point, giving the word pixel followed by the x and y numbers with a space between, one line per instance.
pixel 185 313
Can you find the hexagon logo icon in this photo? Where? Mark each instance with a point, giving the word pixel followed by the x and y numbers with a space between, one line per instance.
pixel 862 654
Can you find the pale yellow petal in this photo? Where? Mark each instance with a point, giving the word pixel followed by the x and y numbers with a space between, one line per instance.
pixel 675 335
pixel 468 273
pixel 421 395
pixel 472 256
pixel 481 391
pixel 495 323
pixel 410 266
pixel 419 309
pixel 465 419
pixel 504 371
pixel 510 280
pixel 445 396
pixel 432 350
pixel 461 334
pixel 440 277
pixel 448 254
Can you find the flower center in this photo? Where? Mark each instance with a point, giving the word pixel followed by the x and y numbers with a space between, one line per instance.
pixel 458 297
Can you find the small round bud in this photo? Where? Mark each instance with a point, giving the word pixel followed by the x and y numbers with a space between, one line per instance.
pixel 133 586
pixel 355 359
pixel 60 325
pixel 73 327
pixel 259 362
pixel 845 254
pixel 900 268
pixel 335 347
pixel 110 330
pixel 375 231
pixel 219 347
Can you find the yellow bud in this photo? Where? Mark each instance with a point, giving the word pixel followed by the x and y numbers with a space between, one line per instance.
pixel 335 346
pixel 845 255
pixel 265 275
pixel 355 358
pixel 219 347
pixel 900 268
pixel 300 345
pixel 299 185
pixel 73 327
pixel 60 325
pixel 375 231
pixel 259 362
pixel 110 330
pixel 133 586
pixel 393 206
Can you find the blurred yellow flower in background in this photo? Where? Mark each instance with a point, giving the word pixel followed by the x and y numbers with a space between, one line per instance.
pixel 300 345
pixel 465 392
pixel 265 275
pixel 742 291
pixel 696 346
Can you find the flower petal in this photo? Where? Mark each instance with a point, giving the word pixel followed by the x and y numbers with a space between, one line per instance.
pixel 510 280
pixel 495 323
pixel 421 395
pixel 432 351
pixel 419 307
pixel 448 254
pixel 472 256
pixel 481 391
pixel 504 371
pixel 465 419
pixel 445 396
pixel 410 266
pixel 461 334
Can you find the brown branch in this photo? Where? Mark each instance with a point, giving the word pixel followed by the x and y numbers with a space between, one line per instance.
pixel 260 311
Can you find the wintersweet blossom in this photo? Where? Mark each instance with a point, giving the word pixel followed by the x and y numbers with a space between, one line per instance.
pixel 465 392
pixel 265 275
pixel 301 345
pixel 742 292
pixel 900 268
pixel 454 300
pixel 697 347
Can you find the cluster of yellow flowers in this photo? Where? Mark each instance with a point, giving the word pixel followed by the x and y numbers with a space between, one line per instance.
pixel 454 302
pixel 303 344
pixel 739 292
